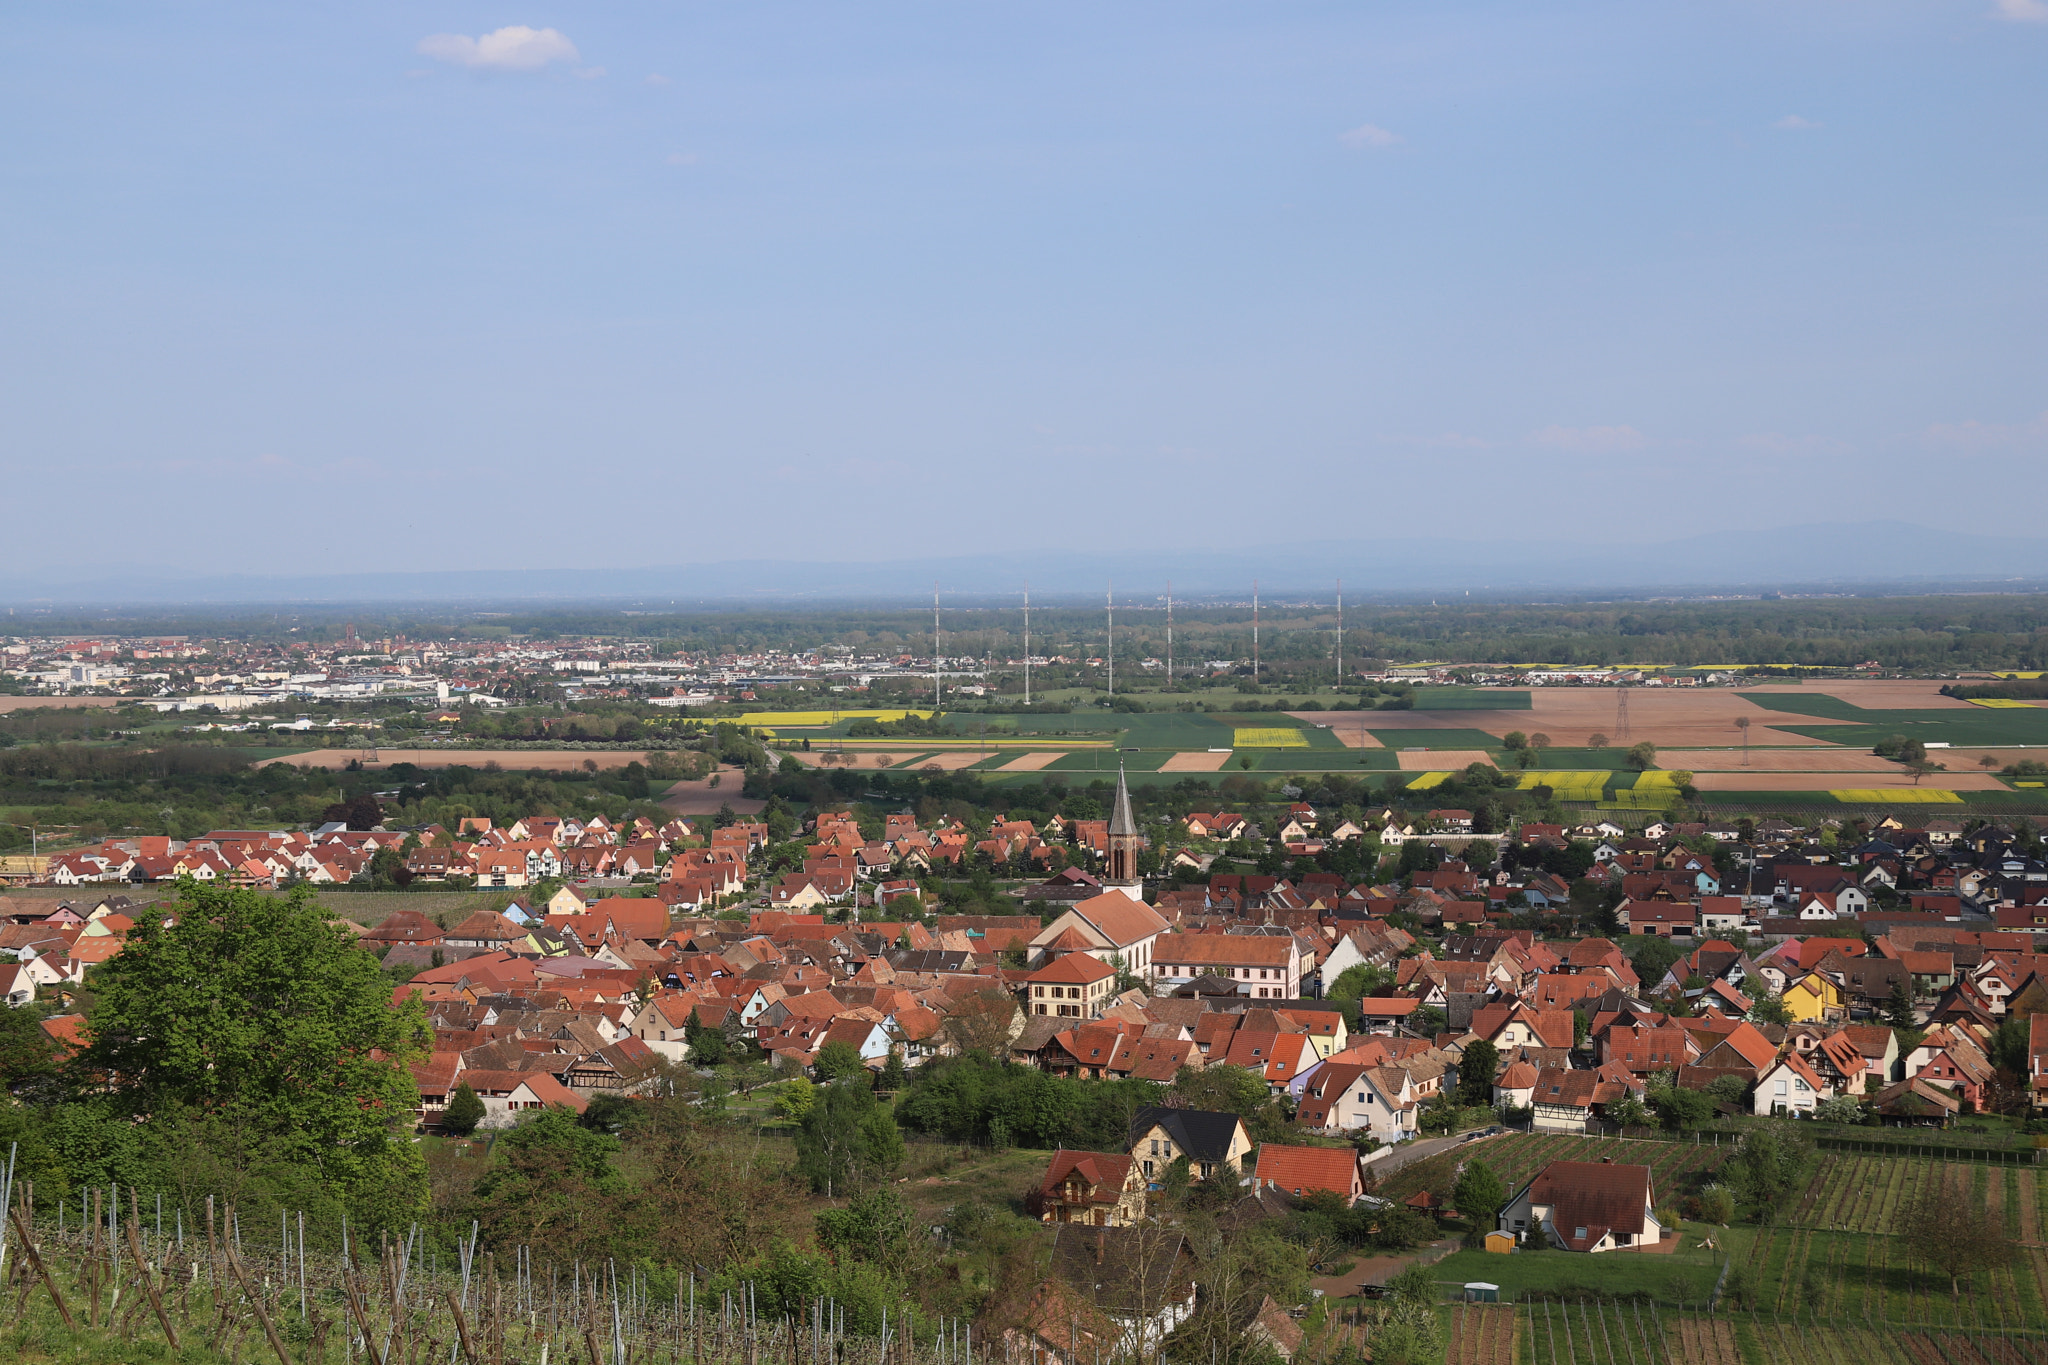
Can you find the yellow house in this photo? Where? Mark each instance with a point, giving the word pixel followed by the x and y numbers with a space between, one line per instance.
pixel 1814 999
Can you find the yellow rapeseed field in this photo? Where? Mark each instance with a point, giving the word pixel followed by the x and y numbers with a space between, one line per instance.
pixel 1895 796
pixel 1269 737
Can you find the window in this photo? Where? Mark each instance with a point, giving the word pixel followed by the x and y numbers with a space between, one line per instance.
pixel 1579 1235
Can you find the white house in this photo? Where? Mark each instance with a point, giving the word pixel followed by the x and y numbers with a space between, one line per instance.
pixel 1586 1206
pixel 1790 1086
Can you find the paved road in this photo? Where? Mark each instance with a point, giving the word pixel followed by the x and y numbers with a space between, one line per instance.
pixel 1418 1151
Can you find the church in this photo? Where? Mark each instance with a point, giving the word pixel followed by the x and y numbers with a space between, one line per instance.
pixel 1116 927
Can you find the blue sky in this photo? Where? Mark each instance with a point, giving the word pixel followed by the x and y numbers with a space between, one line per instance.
pixel 320 287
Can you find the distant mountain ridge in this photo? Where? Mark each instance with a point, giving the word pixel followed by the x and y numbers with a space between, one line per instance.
pixel 1896 555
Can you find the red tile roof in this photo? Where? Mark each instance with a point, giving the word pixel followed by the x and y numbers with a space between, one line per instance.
pixel 1593 1195
pixel 1298 1170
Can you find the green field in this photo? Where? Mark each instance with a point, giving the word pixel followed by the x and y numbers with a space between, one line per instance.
pixel 1470 699
pixel 1976 726
pixel 1446 738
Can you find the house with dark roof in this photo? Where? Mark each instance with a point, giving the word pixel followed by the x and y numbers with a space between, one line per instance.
pixel 1586 1206
pixel 1142 1279
pixel 1208 1139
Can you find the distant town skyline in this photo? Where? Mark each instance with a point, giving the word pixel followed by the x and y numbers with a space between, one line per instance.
pixel 452 287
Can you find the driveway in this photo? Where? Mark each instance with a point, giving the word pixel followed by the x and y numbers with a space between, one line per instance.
pixel 1420 1150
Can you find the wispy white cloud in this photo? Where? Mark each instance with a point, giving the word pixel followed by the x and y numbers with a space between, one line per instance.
pixel 1367 136
pixel 1778 443
pixel 1972 435
pixel 2023 11
pixel 1592 440
pixel 514 48
pixel 1795 123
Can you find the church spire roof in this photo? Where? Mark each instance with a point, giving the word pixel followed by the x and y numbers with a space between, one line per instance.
pixel 1120 821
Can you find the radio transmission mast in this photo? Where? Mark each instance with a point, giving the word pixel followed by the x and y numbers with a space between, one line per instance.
pixel 1110 598
pixel 1027 643
pixel 1338 679
pixel 1169 632
pixel 1255 630
pixel 935 646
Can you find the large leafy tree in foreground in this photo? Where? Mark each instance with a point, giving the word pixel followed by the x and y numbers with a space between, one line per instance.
pixel 268 1038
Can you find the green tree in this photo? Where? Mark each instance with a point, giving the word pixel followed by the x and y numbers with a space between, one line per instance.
pixel 1222 1089
pixel 846 1138
pixel 1642 757
pixel 877 1226
pixel 893 1077
pixel 1359 981
pixel 1479 1195
pixel 1898 1007
pixel 1476 1070
pixel 797 1099
pixel 252 1013
pixel 837 1060
pixel 1770 1009
pixel 706 1045
pixel 465 1111
pixel 28 1056
pixel 1629 1112
pixel 1682 1110
pixel 1957 1237
pixel 552 1186
pixel 1770 1164
pixel 880 1142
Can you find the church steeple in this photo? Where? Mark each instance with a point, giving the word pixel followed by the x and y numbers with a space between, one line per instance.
pixel 1124 840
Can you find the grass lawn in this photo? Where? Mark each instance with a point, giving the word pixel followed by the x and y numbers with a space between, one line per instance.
pixel 1684 1276
pixel 941 1175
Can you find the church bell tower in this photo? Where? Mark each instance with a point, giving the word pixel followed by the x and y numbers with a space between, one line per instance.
pixel 1124 843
